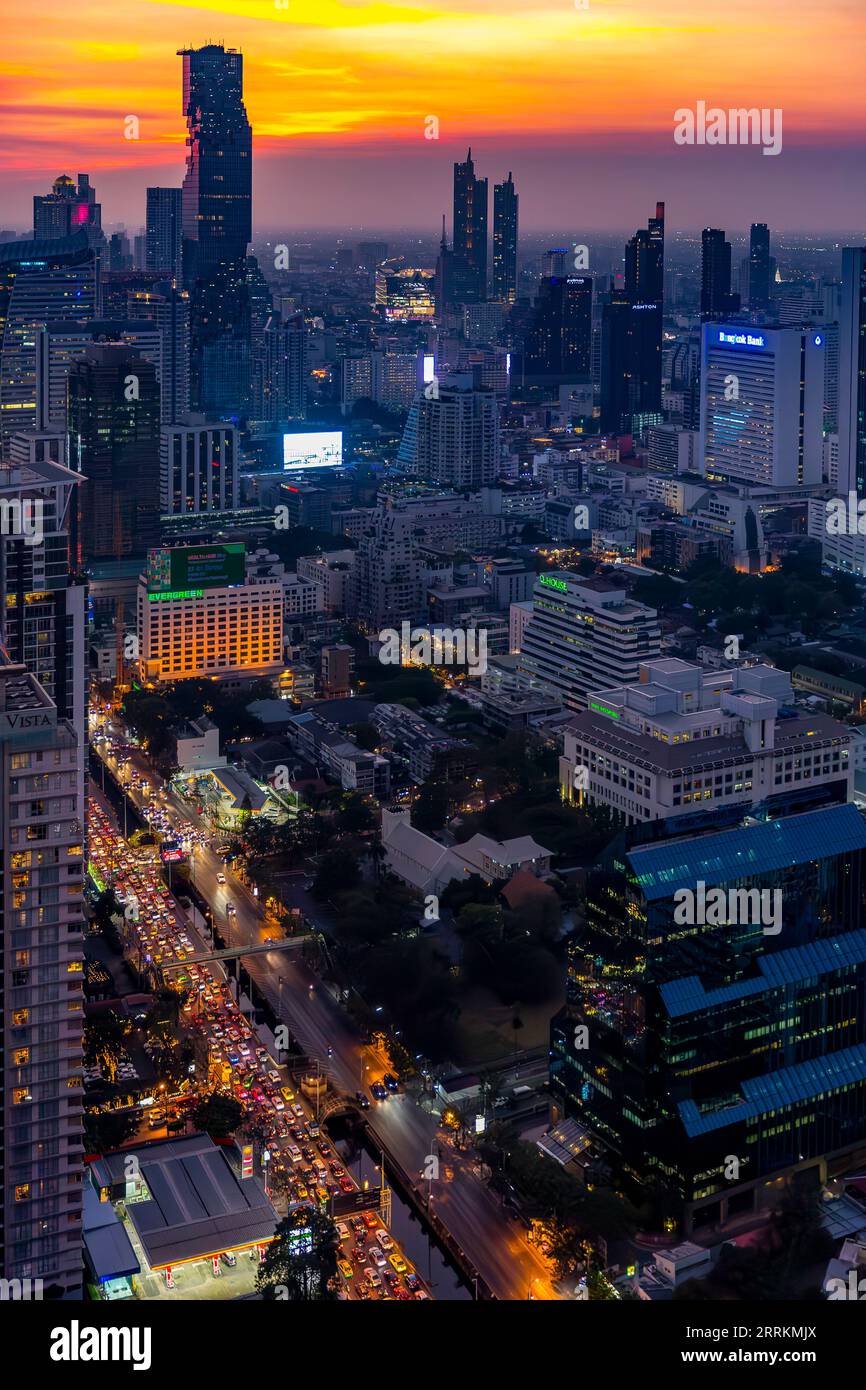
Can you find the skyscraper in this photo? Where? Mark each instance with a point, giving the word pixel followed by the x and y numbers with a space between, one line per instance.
pixel 113 424
pixel 504 281
pixel 558 345
pixel 164 233
pixel 470 225
pixel 40 281
pixel 631 343
pixel 68 208
pixel 717 301
pixel 759 267
pixel 281 375
pixel 217 226
pixel 852 372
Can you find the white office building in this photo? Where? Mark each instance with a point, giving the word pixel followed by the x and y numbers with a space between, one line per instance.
pixel 582 632
pixel 762 404
pixel 681 739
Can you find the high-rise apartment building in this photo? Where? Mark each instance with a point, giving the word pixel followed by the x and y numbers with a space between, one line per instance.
pixel 61 342
pixel 282 369
pixel 217 226
pixel 42 964
pixel 164 239
pixel 504 278
pixel 455 434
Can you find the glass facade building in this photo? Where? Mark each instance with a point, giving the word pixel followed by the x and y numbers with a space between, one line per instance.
pixel 713 1041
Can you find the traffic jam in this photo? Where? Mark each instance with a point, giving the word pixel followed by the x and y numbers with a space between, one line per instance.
pixel 301 1163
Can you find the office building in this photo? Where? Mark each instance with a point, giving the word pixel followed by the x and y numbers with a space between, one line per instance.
pixel 217 226
pixel 715 1012
pixel 371 254
pixel 762 404
pixel 557 346
pixel 454 434
pixel 683 741
pixel 337 663
pixel 504 278
pixel 70 207
pixel 113 424
pixel 852 372
pixel 470 227
pixel 198 467
pixel 40 281
pixel 42 944
pixel 630 367
pixel 164 234
pixel 581 628
pixel 717 301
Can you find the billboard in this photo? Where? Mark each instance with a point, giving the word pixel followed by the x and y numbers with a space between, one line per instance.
pixel 319 449
pixel 196 567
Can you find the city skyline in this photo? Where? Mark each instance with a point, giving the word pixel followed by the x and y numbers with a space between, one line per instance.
pixel 333 129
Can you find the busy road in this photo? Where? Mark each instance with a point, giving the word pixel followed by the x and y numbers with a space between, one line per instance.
pixel 494 1243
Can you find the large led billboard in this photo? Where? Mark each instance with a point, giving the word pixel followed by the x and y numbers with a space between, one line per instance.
pixel 322 449
pixel 196 567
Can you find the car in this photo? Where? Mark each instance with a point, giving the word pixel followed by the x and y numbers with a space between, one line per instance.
pixel 221 878
pixel 228 1257
pixel 378 1257
pixel 294 1153
pixel 342 1231
pixel 230 908
pixel 347 1184
pixel 363 1100
pixel 391 1081
pixel 369 1219
pixel 345 1269
pixel 373 1277
pixel 287 1093
pixel 397 1262
pixel 298 1110
pixel 384 1240
pixel 412 1281
pixel 378 1091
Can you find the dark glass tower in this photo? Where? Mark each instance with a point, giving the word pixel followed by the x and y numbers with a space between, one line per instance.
pixel 505 200
pixel 558 347
pixel 759 267
pixel 717 301
pixel 113 409
pixel 631 353
pixel 217 227
pixel 470 226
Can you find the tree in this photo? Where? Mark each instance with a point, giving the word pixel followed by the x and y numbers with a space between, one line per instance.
pixel 430 807
pixel 300 1264
pixel 337 872
pixel 217 1115
pixel 109 1129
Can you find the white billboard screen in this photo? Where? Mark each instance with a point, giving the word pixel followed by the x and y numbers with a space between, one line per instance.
pixel 322 449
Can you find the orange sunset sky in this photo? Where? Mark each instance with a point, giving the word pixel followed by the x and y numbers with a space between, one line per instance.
pixel 579 102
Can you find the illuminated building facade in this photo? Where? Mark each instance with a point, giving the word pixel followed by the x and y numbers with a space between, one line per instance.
pixel 214 631
pixel 688 1041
